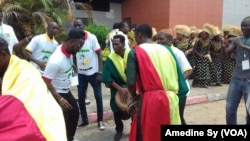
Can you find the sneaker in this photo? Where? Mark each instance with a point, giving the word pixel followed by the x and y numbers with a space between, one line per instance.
pixel 83 124
pixel 87 101
pixel 118 136
pixel 101 125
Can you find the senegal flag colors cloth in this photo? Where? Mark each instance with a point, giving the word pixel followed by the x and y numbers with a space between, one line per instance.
pixel 28 110
pixel 183 87
pixel 159 80
pixel 114 71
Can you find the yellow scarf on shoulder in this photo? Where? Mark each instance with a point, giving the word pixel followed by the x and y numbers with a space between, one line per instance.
pixel 120 62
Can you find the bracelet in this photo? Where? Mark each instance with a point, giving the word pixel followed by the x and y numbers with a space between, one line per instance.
pixel 61 99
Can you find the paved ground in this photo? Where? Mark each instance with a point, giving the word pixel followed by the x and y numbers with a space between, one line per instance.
pixel 203 113
pixel 204 106
pixel 197 95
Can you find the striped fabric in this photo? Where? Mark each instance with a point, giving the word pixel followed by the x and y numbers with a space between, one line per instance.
pixel 158 74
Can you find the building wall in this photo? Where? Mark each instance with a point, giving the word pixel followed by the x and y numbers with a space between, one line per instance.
pixel 153 12
pixel 107 18
pixel 168 13
pixel 234 11
pixel 195 12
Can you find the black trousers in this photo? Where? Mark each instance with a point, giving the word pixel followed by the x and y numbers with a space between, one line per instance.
pixel 118 121
pixel 71 117
pixel 181 111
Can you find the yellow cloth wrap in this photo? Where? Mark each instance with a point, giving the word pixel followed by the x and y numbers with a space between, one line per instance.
pixel 25 82
pixel 174 108
pixel 120 63
pixel 167 71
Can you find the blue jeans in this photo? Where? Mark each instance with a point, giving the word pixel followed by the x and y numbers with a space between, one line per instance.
pixel 237 89
pixel 82 88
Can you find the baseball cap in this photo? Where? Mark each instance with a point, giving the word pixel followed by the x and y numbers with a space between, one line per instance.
pixel 75 34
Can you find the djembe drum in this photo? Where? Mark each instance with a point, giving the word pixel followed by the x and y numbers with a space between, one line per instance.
pixel 122 106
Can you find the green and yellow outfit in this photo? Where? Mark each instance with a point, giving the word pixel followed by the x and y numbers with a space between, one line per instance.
pixel 114 71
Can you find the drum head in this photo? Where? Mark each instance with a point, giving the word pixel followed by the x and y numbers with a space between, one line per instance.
pixel 121 105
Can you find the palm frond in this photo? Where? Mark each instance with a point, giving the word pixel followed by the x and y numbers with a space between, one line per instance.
pixel 46 4
pixel 28 15
pixel 57 18
pixel 13 7
pixel 70 16
pixel 43 17
pixel 14 12
pixel 4 1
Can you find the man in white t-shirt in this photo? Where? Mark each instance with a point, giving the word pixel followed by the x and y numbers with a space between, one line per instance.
pixel 112 33
pixel 58 77
pixel 89 65
pixel 124 28
pixel 7 32
pixel 165 37
pixel 41 47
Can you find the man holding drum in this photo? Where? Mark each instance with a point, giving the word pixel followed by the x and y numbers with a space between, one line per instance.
pixel 113 75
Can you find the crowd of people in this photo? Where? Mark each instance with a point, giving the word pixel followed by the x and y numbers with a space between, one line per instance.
pixel 147 73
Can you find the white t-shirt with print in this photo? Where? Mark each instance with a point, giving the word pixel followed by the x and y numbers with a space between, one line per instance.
pixel 7 32
pixel 59 69
pixel 87 58
pixel 182 62
pixel 42 47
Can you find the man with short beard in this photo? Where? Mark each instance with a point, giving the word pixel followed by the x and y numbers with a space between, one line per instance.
pixel 58 77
